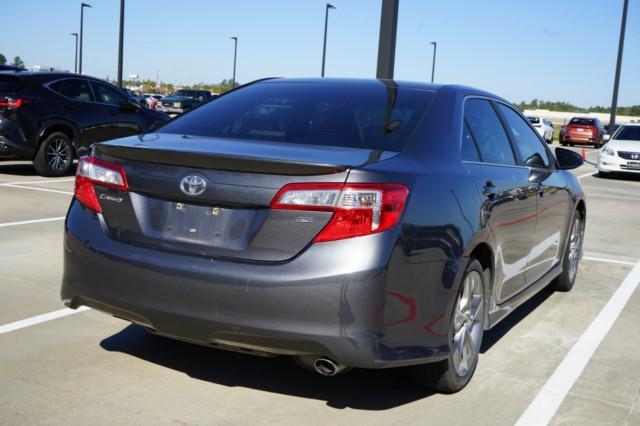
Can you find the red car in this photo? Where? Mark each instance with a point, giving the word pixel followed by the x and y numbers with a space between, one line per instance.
pixel 583 131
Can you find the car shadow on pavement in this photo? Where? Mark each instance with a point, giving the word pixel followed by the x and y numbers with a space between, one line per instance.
pixel 491 337
pixel 619 177
pixel 356 389
pixel 25 169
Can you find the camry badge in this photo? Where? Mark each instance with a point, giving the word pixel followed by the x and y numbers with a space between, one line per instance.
pixel 193 185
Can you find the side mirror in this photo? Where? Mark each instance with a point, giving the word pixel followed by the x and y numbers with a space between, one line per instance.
pixel 568 159
pixel 606 137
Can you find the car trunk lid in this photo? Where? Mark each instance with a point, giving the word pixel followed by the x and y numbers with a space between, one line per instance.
pixel 227 214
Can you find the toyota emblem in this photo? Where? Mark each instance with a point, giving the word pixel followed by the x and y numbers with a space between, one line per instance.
pixel 193 185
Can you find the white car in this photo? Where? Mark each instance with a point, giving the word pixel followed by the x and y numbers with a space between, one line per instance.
pixel 543 127
pixel 149 96
pixel 622 152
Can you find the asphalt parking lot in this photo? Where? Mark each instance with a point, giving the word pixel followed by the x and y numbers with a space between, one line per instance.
pixel 84 367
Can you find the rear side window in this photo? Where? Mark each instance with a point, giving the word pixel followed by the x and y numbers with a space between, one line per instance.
pixel 469 147
pixel 74 88
pixel 532 151
pixel 487 131
pixel 108 95
pixel 373 116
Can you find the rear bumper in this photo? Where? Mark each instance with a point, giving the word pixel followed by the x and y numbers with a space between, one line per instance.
pixel 351 300
pixel 12 143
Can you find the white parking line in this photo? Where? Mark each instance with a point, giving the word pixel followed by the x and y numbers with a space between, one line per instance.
pixel 587 174
pixel 602 259
pixel 29 222
pixel 550 397
pixel 27 182
pixel 13 326
pixel 13 185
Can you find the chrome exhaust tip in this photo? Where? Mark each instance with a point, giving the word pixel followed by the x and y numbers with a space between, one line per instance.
pixel 327 366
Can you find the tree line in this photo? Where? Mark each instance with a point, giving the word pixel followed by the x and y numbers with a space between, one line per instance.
pixel 567 107
pixel 17 61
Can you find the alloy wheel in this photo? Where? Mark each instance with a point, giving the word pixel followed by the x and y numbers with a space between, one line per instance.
pixel 468 324
pixel 575 248
pixel 58 154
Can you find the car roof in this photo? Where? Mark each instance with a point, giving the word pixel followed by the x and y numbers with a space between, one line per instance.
pixel 364 82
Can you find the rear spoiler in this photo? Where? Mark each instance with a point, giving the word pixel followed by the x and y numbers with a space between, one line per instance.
pixel 214 161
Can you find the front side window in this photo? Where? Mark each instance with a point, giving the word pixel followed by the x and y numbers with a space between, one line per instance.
pixel 75 88
pixel 531 150
pixel 486 129
pixel 108 95
pixel 369 116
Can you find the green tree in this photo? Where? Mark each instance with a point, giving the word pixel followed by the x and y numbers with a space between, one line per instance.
pixel 3 59
pixel 17 62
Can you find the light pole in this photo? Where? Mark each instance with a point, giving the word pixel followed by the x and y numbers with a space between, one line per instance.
pixel 616 82
pixel 324 45
pixel 121 43
pixel 235 56
pixel 387 40
pixel 82 6
pixel 433 64
pixel 75 57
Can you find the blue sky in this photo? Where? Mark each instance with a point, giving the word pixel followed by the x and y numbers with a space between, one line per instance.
pixel 545 49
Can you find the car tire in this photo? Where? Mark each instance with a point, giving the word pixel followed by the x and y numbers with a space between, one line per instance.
pixel 55 155
pixel 465 337
pixel 572 255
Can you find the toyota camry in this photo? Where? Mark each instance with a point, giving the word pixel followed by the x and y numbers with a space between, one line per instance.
pixel 344 223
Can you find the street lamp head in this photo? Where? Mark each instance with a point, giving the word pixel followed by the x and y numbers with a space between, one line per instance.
pixel 330 6
pixel 74 34
pixel 234 38
pixel 85 5
pixel 433 43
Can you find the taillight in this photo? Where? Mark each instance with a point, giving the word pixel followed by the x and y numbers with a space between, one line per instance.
pixel 13 102
pixel 358 209
pixel 92 171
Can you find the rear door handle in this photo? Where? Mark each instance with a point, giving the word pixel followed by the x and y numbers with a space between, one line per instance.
pixel 489 190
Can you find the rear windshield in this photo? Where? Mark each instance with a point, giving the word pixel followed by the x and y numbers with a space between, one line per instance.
pixel 10 85
pixel 628 133
pixel 379 116
pixel 533 120
pixel 583 121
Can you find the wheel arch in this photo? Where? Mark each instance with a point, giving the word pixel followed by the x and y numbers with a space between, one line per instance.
pixel 483 253
pixel 58 125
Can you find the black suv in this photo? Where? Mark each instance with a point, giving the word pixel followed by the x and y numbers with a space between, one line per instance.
pixel 51 118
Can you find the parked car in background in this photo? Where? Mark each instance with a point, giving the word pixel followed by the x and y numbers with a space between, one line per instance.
pixel 182 100
pixel 543 127
pixel 50 118
pixel 10 68
pixel 348 223
pixel 582 131
pixel 152 99
pixel 622 152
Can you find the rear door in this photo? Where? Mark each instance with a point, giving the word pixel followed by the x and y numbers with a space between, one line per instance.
pixel 551 193
pixel 119 118
pixel 79 106
pixel 508 204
